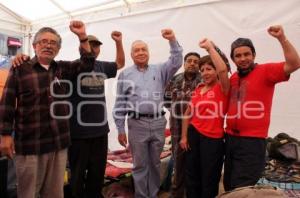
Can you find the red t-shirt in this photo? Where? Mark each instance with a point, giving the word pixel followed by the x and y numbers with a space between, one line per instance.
pixel 251 100
pixel 209 110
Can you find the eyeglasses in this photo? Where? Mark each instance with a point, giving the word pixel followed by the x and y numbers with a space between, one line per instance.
pixel 45 42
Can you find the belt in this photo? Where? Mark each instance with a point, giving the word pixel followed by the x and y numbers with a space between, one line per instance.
pixel 137 115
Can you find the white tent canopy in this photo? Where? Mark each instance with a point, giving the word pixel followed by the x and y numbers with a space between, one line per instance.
pixel 220 20
pixel 32 12
pixel 25 17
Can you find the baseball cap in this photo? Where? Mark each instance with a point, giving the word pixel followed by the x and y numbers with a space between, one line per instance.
pixel 92 38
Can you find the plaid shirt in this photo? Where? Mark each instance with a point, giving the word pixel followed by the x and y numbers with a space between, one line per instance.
pixel 27 105
pixel 178 90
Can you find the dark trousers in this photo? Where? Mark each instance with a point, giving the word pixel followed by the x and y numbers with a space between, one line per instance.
pixel 204 163
pixel 178 155
pixel 3 177
pixel 87 158
pixel 244 161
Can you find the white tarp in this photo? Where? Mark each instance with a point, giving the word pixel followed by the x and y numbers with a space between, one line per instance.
pixel 10 23
pixel 222 21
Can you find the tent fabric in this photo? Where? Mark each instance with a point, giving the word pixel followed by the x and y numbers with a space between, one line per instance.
pixel 53 8
pixel 220 20
pixel 49 8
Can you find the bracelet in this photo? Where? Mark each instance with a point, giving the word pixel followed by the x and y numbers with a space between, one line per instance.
pixel 84 40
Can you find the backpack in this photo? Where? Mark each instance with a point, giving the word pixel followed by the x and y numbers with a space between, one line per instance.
pixel 284 147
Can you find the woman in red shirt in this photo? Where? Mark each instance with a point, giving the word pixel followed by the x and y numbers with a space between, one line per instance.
pixel 203 126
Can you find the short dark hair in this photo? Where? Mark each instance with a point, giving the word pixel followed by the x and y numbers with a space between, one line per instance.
pixel 191 54
pixel 44 30
pixel 206 60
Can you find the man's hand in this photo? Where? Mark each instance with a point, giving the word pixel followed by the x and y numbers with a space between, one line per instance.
pixel 7 146
pixel 78 28
pixel 277 32
pixel 206 44
pixel 116 36
pixel 19 60
pixel 168 34
pixel 122 139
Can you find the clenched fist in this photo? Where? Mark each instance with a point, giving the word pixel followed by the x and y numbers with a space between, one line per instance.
pixel 168 34
pixel 78 28
pixel 116 36
pixel 206 44
pixel 277 32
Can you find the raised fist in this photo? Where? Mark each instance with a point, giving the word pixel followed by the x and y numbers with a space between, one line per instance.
pixel 168 34
pixel 78 28
pixel 116 36
pixel 206 44
pixel 276 31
